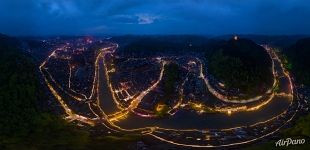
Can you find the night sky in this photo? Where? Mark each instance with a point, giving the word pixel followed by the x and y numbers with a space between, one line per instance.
pixel 210 17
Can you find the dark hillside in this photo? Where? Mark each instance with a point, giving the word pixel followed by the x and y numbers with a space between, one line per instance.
pixel 241 64
pixel 21 122
pixel 298 55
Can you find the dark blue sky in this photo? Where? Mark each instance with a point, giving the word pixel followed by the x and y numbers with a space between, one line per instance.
pixel 213 17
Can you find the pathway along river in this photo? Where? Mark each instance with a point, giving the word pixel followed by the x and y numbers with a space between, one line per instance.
pixel 185 119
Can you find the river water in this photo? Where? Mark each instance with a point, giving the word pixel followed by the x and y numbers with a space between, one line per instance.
pixel 185 119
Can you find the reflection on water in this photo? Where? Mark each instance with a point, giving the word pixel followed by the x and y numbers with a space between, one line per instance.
pixel 186 119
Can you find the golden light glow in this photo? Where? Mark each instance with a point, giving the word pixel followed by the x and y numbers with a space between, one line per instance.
pixel 229 112
pixel 109 120
pixel 160 107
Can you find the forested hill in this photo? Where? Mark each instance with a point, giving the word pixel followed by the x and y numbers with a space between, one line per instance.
pixel 7 42
pixel 22 125
pixel 241 64
pixel 298 55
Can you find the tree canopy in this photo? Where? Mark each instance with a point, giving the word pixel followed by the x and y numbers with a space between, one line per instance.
pixel 241 64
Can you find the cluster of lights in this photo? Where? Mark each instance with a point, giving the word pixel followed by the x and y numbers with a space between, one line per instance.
pixel 108 120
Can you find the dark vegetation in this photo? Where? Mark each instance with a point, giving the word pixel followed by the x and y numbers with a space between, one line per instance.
pixel 241 64
pixel 297 56
pixel 301 130
pixel 163 112
pixel 173 75
pixel 23 125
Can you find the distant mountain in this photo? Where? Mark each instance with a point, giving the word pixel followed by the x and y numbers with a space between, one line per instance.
pixel 7 42
pixel 242 65
pixel 148 45
pixel 298 55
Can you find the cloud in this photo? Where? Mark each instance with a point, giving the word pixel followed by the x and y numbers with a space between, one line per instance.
pixel 140 18
pixel 59 8
pixel 18 17
pixel 123 19
pixel 146 18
